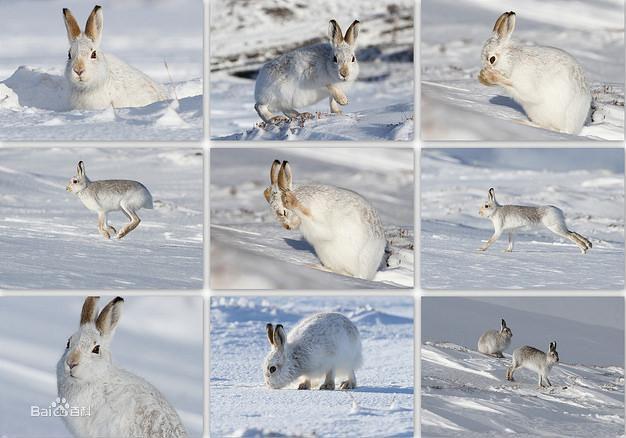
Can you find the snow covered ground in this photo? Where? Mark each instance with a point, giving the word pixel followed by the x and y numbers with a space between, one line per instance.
pixel 49 240
pixel 587 184
pixel 144 33
pixel 244 35
pixel 250 250
pixel 455 106
pixel 159 339
pixel 241 405
pixel 465 394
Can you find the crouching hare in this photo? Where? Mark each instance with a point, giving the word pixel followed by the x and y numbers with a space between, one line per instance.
pixel 342 226
pixel 512 217
pixel 120 403
pixel 109 195
pixel 321 346
pixel 98 80
pixel 534 360
pixel 494 342
pixel 547 82
pixel 307 75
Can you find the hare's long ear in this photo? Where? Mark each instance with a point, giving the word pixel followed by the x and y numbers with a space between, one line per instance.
pixel 505 24
pixel 270 333
pixel 88 314
pixel 274 172
pixel 553 346
pixel 284 177
pixel 334 33
pixel 80 169
pixel 279 336
pixel 110 316
pixel 73 30
pixel 492 195
pixel 352 33
pixel 93 28
pixel 503 324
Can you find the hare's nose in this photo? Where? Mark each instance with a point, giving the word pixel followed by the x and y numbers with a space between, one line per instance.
pixel 79 70
pixel 72 364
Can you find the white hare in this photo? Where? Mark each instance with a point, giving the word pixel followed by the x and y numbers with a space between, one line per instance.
pixel 534 360
pixel 494 342
pixel 342 226
pixel 307 75
pixel 110 195
pixel 512 217
pixel 321 346
pixel 119 403
pixel 547 82
pixel 98 80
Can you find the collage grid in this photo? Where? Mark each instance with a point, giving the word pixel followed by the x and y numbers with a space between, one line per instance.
pixel 416 294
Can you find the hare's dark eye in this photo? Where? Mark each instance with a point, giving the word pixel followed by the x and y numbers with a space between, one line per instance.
pixel 353 58
pixel 335 59
pixel 272 369
pixel 486 206
pixel 492 59
pixel 68 343
pixel 74 181
pixel 93 55
pixel 96 349
pixel 69 54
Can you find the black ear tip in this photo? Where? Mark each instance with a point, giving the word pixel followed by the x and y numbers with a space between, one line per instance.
pixel 117 300
pixel 65 11
pixel 97 8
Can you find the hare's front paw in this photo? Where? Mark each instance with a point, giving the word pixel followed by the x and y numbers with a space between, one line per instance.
pixel 105 234
pixel 342 100
pixel 279 119
pixel 346 385
pixel 305 385
pixel 482 248
pixel 327 387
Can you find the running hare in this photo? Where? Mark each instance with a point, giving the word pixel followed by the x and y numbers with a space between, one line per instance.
pixel 342 226
pixel 494 342
pixel 534 360
pixel 547 82
pixel 322 345
pixel 110 195
pixel 512 217
pixel 121 404
pixel 307 75
pixel 98 80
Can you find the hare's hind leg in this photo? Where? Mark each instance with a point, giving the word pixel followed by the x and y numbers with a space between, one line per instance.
pixel 561 230
pixel 329 381
pixel 265 114
pixel 350 383
pixel 134 221
pixel 105 229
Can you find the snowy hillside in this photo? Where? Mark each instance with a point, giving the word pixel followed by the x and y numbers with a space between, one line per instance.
pixel 455 106
pixel 33 90
pixel 465 394
pixel 588 185
pixel 152 331
pixel 245 35
pixel 241 405
pixel 249 249
pixel 48 239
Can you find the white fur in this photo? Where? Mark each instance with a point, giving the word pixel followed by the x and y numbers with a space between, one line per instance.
pixel 547 82
pixel 534 360
pixel 322 345
pixel 105 81
pixel 494 342
pixel 302 77
pixel 510 218
pixel 342 226
pixel 120 403
pixel 111 195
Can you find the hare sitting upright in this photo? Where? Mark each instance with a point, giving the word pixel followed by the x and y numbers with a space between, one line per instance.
pixel 120 404
pixel 110 195
pixel 512 217
pixel 535 360
pixel 342 226
pixel 547 82
pixel 307 75
pixel 494 342
pixel 98 80
pixel 320 346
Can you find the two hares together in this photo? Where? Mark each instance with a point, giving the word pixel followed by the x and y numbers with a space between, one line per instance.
pixel 120 404
pixel 322 345
pixel 509 218
pixel 307 75
pixel 342 226
pixel 98 80
pixel 547 82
